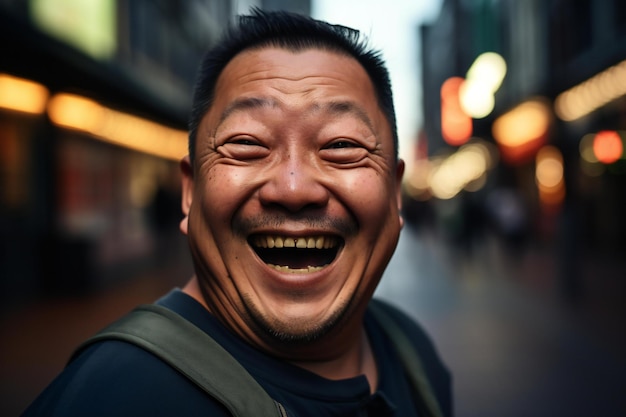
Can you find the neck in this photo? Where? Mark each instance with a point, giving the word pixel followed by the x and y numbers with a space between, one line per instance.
pixel 342 354
pixel 358 359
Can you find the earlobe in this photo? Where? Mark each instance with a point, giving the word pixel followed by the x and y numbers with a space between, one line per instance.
pixel 187 192
pixel 399 175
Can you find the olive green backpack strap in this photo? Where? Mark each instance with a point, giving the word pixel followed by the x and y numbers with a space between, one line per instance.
pixel 194 354
pixel 410 359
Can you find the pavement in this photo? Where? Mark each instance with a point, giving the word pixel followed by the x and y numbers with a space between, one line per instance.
pixel 515 343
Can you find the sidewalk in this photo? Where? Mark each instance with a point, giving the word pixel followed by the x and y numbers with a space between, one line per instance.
pixel 515 347
pixel 37 339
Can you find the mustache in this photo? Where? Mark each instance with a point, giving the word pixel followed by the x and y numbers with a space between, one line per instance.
pixel 344 226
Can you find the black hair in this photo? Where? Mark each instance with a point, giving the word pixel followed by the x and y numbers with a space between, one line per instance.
pixel 293 32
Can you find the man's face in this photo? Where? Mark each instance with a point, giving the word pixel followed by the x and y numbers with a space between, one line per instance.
pixel 293 200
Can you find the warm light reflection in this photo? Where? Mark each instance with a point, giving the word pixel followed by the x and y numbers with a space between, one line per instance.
pixel 456 125
pixel 592 94
pixel 22 95
pixel 522 130
pixel 608 146
pixel 483 79
pixel 76 112
pixel 549 177
pixel 465 169
pixel 416 184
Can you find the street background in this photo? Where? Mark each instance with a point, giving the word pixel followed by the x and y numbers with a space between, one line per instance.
pixel 512 122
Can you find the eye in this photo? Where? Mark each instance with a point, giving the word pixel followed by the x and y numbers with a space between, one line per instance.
pixel 246 140
pixel 342 144
pixel 344 151
pixel 243 148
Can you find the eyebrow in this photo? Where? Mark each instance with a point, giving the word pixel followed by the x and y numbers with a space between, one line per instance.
pixel 333 108
pixel 247 103
pixel 347 107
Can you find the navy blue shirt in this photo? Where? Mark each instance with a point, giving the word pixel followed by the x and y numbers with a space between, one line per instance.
pixel 114 378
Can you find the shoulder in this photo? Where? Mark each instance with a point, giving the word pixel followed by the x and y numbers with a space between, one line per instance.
pixel 438 374
pixel 411 328
pixel 117 378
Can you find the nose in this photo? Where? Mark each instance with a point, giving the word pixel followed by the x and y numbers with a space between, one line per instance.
pixel 294 184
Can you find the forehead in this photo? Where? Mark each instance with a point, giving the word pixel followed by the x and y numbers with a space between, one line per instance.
pixel 294 80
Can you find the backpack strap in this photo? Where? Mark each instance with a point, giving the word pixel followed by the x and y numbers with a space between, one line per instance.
pixel 194 354
pixel 429 406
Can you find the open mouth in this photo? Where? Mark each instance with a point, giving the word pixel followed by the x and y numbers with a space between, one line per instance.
pixel 296 255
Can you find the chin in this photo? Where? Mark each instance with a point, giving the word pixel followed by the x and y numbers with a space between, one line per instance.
pixel 297 330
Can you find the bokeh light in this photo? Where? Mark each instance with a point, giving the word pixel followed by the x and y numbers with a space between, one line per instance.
pixel 608 146
pixel 80 113
pixel 19 94
pixel 456 125
pixel 483 79
pixel 549 177
pixel 522 131
pixel 592 94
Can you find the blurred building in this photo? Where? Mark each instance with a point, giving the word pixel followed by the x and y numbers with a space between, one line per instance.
pixel 540 87
pixel 94 98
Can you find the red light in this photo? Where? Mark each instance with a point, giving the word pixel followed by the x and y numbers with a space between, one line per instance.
pixel 456 125
pixel 608 146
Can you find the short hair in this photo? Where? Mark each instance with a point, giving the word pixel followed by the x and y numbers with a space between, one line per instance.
pixel 293 32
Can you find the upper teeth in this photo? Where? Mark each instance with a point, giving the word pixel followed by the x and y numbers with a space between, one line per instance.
pixel 311 242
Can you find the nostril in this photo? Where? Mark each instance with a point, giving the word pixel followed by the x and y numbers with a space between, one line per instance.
pixel 294 192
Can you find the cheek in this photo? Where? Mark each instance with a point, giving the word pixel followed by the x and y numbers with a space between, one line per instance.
pixel 370 195
pixel 224 189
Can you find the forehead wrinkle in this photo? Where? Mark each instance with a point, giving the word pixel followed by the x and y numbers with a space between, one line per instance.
pixel 345 107
pixel 247 103
pixel 333 108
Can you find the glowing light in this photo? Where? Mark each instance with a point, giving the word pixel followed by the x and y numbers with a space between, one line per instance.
pixel 549 170
pixel 483 79
pixel 456 125
pixel 592 94
pixel 608 146
pixel 76 112
pixel 521 131
pixel 476 100
pixel 417 181
pixel 524 123
pixel 549 177
pixel 87 25
pixel 22 95
pixel 464 169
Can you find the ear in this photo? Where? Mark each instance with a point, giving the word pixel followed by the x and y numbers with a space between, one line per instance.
pixel 187 191
pixel 399 175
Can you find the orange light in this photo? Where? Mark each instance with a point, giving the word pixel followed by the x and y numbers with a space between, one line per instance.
pixel 456 125
pixel 549 178
pixel 586 97
pixel 608 146
pixel 521 131
pixel 22 95
pixel 122 129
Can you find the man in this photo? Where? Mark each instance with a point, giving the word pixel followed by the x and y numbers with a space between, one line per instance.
pixel 291 202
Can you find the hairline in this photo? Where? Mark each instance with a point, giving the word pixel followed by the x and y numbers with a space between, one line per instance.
pixel 298 48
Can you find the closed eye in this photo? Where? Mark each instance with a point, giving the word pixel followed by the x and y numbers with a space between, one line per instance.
pixel 341 144
pixel 243 141
pixel 344 151
pixel 244 148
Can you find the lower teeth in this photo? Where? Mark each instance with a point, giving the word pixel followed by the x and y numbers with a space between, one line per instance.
pixel 288 270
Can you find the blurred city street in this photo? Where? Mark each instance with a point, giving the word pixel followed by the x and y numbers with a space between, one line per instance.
pixel 515 345
pixel 511 118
